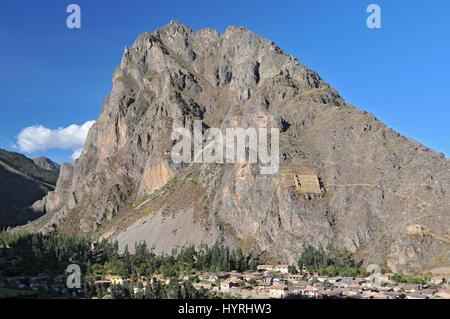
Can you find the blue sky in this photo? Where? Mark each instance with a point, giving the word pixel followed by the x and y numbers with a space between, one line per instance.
pixel 55 77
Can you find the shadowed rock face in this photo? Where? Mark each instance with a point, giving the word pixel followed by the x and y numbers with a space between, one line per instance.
pixel 22 182
pixel 376 184
pixel 46 163
pixel 17 193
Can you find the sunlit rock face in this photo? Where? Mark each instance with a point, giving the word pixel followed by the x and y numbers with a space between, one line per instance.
pixel 374 182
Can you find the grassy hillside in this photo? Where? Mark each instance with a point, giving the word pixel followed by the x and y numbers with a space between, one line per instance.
pixel 28 167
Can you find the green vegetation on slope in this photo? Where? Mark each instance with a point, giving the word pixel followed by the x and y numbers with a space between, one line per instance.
pixel 28 167
pixel 402 279
pixel 52 253
pixel 37 253
pixel 332 263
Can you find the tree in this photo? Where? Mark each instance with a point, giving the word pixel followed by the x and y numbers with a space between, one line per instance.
pixel 240 260
pixel 174 289
pixel 337 262
pixel 292 270
pixel 331 271
pixel 122 292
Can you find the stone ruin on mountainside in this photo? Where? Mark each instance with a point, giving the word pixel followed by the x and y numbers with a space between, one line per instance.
pixel 304 182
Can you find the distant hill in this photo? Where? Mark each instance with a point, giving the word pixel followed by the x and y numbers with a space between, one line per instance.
pixel 22 182
pixel 26 165
pixel 46 163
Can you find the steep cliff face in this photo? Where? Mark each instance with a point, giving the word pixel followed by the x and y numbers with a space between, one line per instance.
pixel 383 196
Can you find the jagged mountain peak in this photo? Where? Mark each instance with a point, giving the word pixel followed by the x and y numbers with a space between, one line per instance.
pixel 377 187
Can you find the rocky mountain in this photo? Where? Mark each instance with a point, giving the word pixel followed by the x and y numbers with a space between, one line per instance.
pixel 22 183
pixel 46 163
pixel 383 197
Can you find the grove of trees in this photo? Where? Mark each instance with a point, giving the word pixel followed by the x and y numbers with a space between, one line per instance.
pixel 331 263
pixel 53 252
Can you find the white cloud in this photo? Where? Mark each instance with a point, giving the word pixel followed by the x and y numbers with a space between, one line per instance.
pixel 39 138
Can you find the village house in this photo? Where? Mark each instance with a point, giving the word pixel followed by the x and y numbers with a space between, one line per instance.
pixel 331 293
pixel 374 295
pixel 333 280
pixel 222 275
pixel 416 296
pixel 379 295
pixel 159 277
pixel 278 291
pixel 61 279
pixel 103 284
pixel 264 284
pixel 266 280
pixel 443 294
pixel 141 283
pixel 391 295
pixel 263 268
pixel 294 277
pixel 284 269
pixel 427 292
pixel 235 275
pixel 384 288
pixel 351 293
pixel 36 286
pixel 139 290
pixel 354 287
pixel 437 280
pixel 296 290
pixel 407 288
pixel 310 292
pixel 385 279
pixel 9 261
pixel 277 280
pixel 209 277
pixel 114 279
pixel 252 275
pixel 228 284
pixel 189 277
pixel 202 285
pixel 320 278
pixel 303 283
pixel 13 281
pixel 348 282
